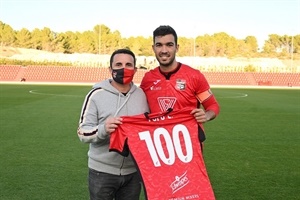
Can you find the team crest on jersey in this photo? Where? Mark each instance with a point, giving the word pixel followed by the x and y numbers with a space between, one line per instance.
pixel 166 102
pixel 180 84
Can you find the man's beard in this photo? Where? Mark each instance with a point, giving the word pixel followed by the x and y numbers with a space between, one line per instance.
pixel 165 63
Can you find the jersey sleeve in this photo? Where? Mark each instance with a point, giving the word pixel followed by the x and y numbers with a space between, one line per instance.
pixel 118 142
pixel 200 83
pixel 144 83
pixel 205 95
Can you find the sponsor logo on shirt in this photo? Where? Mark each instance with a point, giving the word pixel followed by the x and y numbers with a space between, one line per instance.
pixel 154 86
pixel 180 182
pixel 166 102
pixel 155 82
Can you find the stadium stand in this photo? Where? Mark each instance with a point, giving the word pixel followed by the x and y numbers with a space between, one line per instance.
pixel 280 79
pixel 94 74
pixel 9 73
pixel 227 78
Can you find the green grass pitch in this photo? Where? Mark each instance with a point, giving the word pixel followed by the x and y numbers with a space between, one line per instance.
pixel 251 152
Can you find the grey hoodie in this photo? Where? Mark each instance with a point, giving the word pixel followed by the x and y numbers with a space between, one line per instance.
pixel 101 102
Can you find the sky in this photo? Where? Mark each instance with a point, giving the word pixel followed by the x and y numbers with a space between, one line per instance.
pixel 190 18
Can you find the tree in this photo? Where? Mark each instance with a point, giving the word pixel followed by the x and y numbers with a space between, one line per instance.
pixel 36 39
pixel 47 37
pixel 7 35
pixel 203 45
pixel 251 42
pixel 61 44
pixel 272 44
pixel 105 40
pixel 296 43
pixel 23 38
pixel 71 41
pixel 186 46
pixel 286 43
pixel 86 42
pixel 101 40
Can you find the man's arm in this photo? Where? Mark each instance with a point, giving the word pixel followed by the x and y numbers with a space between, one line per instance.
pixel 210 105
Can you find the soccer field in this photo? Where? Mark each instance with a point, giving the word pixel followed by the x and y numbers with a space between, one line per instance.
pixel 252 149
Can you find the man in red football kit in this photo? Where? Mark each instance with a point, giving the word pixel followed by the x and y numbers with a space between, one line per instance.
pixel 176 85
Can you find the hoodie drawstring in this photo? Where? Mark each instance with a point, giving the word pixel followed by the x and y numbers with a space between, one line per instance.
pixel 122 104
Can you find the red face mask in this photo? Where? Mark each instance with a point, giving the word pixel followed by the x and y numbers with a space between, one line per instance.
pixel 122 76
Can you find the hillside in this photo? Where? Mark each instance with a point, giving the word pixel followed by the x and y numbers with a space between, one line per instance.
pixel 205 64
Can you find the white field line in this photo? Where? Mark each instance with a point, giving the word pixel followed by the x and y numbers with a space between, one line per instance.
pixel 50 94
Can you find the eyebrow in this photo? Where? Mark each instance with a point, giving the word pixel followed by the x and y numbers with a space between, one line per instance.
pixel 168 43
pixel 127 63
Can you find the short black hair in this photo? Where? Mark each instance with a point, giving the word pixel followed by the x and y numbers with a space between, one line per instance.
pixel 164 30
pixel 120 51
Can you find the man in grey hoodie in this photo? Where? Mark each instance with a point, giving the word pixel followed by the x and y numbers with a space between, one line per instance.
pixel 111 175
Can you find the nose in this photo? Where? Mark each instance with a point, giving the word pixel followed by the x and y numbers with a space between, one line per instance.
pixel 164 49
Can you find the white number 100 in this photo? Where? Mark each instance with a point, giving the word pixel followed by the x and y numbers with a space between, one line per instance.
pixel 156 149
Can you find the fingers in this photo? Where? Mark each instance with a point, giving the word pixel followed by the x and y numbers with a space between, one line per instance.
pixel 199 115
pixel 111 128
pixel 198 112
pixel 112 123
pixel 195 111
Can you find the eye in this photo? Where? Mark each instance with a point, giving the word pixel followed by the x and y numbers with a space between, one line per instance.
pixel 129 65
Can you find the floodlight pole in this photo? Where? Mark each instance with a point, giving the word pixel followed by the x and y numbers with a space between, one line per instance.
pixel 99 50
pixel 194 51
pixel 292 51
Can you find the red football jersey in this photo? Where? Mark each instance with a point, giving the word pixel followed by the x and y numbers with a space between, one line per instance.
pixel 177 91
pixel 167 152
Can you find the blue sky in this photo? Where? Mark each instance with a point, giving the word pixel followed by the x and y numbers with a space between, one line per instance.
pixel 238 18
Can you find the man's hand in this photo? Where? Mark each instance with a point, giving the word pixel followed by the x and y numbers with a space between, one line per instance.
pixel 203 116
pixel 112 123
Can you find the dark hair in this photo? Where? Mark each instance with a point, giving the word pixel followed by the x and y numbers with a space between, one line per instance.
pixel 164 30
pixel 120 51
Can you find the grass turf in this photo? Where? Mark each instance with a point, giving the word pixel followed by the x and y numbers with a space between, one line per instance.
pixel 251 151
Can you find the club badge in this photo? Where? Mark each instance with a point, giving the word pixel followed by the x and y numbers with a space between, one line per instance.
pixel 180 84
